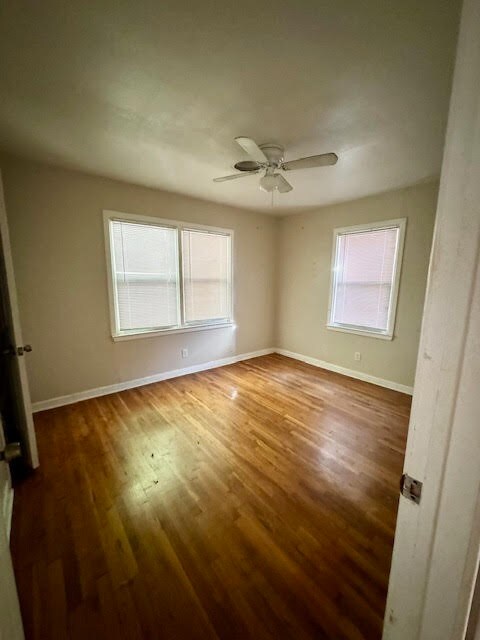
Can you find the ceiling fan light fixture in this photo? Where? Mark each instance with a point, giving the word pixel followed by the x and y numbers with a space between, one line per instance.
pixel 268 183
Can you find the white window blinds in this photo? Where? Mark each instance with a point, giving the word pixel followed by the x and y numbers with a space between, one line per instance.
pixel 363 280
pixel 206 276
pixel 145 265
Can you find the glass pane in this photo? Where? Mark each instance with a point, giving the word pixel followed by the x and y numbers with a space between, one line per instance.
pixel 365 264
pixel 206 276
pixel 146 275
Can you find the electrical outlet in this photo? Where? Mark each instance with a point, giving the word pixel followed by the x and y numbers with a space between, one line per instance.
pixel 358 355
pixel 184 353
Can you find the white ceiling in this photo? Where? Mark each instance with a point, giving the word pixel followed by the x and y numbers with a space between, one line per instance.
pixel 153 92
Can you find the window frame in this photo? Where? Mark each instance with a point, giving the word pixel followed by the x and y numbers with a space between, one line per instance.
pixel 182 327
pixel 388 333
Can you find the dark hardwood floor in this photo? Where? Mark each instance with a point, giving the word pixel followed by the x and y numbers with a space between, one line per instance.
pixel 252 501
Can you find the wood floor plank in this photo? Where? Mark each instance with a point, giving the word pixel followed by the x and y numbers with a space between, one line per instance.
pixel 252 501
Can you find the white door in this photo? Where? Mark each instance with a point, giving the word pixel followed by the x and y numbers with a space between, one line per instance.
pixel 437 542
pixel 10 621
pixel 13 342
pixel 16 417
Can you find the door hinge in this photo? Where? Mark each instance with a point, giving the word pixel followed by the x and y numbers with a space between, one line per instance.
pixel 411 488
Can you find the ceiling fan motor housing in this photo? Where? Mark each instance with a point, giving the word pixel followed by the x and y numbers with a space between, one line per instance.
pixel 274 152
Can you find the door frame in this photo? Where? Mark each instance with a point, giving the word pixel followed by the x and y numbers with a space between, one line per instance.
pixel 24 401
pixel 10 614
pixel 437 543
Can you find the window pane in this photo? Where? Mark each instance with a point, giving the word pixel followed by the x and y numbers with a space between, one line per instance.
pixel 146 275
pixel 364 273
pixel 206 276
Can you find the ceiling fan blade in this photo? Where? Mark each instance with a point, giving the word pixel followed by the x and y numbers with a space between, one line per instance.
pixel 234 176
pixel 323 160
pixel 252 148
pixel 247 165
pixel 283 185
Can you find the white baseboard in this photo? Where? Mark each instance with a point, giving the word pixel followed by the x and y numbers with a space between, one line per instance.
pixel 139 382
pixel 351 373
pixel 213 364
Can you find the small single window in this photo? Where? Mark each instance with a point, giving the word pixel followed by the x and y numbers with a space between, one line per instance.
pixel 167 276
pixel 365 278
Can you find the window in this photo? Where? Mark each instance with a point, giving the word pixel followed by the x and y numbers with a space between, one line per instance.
pixel 365 277
pixel 145 269
pixel 206 276
pixel 166 276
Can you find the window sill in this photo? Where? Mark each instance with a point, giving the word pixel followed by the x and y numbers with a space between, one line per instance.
pixel 164 332
pixel 360 332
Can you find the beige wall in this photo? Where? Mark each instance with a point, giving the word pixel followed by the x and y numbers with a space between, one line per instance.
pixel 55 219
pixel 282 279
pixel 305 252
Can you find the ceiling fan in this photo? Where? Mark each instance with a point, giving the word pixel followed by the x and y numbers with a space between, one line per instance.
pixel 269 158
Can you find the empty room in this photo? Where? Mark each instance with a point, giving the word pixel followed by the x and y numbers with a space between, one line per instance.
pixel 239 362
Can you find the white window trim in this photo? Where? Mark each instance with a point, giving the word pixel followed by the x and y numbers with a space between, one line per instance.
pixel 388 334
pixel 183 327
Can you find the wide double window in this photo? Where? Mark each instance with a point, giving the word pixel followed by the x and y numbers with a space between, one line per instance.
pixel 166 275
pixel 365 278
